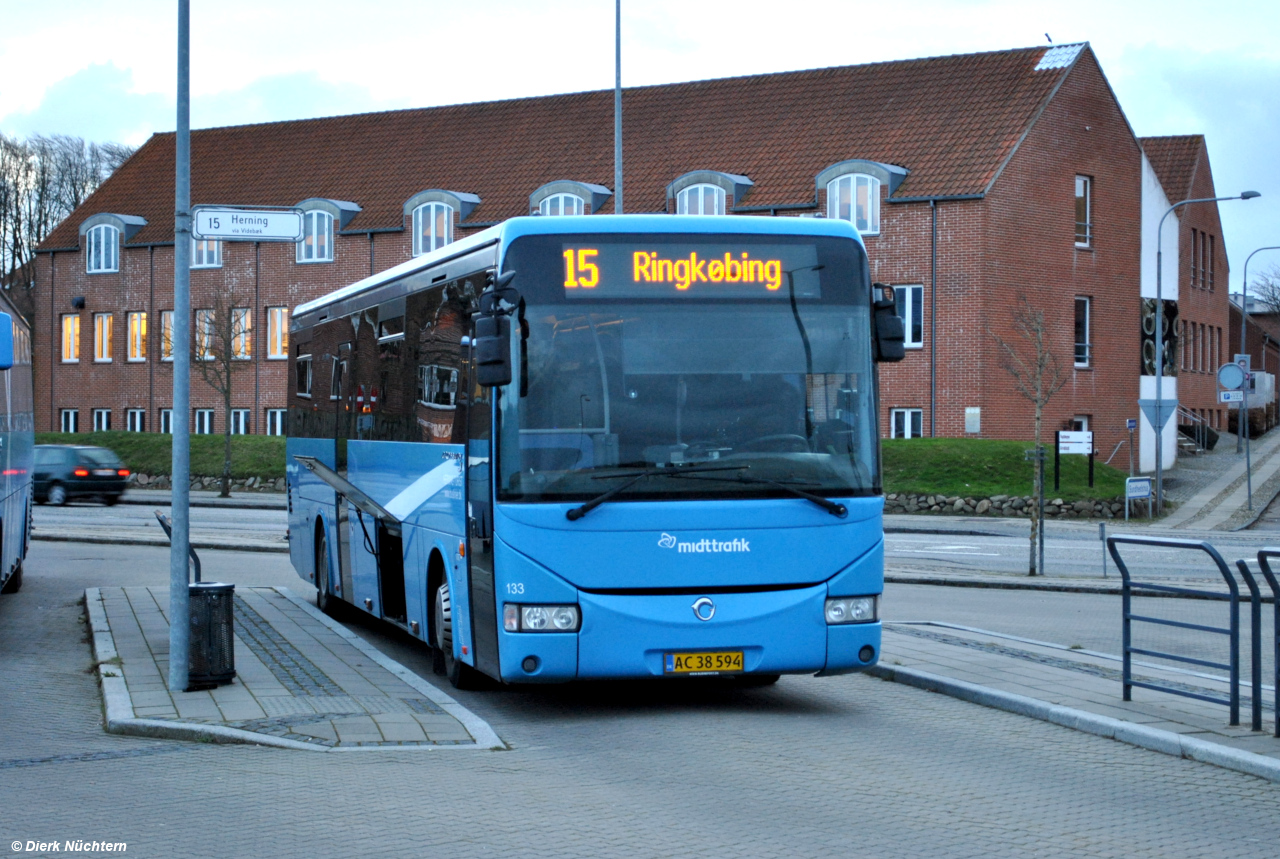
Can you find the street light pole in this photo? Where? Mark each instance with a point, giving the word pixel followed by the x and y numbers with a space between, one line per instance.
pixel 1244 314
pixel 617 109
pixel 1242 420
pixel 1158 423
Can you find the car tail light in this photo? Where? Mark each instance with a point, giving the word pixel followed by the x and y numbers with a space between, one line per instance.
pixel 124 472
pixel 81 472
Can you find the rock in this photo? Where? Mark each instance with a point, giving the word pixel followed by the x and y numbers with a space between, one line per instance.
pixel 1081 506
pixel 143 480
pixel 983 506
pixel 957 506
pixel 1019 503
pixel 999 499
pixel 935 509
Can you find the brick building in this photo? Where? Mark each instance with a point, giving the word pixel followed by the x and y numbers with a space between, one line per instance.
pixel 976 180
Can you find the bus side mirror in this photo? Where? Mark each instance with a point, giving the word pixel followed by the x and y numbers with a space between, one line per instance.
pixel 890 334
pixel 493 350
pixel 6 341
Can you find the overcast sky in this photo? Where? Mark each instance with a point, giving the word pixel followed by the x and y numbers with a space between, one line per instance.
pixel 106 71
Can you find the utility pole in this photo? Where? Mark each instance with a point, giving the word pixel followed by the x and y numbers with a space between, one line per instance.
pixel 179 545
pixel 617 110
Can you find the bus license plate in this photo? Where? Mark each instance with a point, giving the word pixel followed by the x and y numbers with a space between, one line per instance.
pixel 724 662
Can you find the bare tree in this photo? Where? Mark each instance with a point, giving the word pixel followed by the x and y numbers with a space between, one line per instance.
pixel 221 348
pixel 1265 288
pixel 1037 376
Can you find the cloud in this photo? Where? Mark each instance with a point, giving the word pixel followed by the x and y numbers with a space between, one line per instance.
pixel 96 103
pixel 299 95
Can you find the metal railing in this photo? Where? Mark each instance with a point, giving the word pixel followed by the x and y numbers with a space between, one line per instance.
pixel 1199 427
pixel 1264 557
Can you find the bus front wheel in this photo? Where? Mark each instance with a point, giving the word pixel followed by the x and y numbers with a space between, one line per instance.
pixel 461 675
pixel 325 601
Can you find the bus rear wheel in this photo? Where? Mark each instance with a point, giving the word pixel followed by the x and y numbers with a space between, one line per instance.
pixel 14 583
pixel 461 675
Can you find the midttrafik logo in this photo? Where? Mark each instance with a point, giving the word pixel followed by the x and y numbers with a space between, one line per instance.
pixel 667 541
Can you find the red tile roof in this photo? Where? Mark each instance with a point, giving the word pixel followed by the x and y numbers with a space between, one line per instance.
pixel 952 121
pixel 1174 159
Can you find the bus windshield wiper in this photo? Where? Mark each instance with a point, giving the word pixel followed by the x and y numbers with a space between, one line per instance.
pixel 636 476
pixel 833 507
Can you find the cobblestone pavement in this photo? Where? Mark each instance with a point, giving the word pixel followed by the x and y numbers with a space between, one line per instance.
pixel 809 767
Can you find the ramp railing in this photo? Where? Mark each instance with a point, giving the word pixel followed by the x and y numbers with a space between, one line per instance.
pixel 1264 558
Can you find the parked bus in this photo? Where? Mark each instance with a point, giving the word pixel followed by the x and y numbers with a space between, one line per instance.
pixel 602 447
pixel 17 444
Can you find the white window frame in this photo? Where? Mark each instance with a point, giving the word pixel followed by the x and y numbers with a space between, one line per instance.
pixel 317 229
pixel 912 423
pixel 277 334
pixel 166 421
pixel 136 349
pixel 555 205
pixel 1085 183
pixel 427 222
pixel 70 420
pixel 1080 423
pixel 337 374
pixel 203 423
pixel 276 421
pixel 852 182
pixel 102 325
pixel 1088 331
pixel 72 321
pixel 135 420
pixel 693 200
pixel 102 244
pixel 206 253
pixel 240 422
pixel 304 361
pixel 429 385
pixel 242 333
pixel 908 300
pixel 166 335
pixel 102 420
pixel 204 344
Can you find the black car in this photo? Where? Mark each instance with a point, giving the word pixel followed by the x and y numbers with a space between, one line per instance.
pixel 65 471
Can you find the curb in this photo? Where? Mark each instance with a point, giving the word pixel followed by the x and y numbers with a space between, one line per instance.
pixel 230 504
pixel 118 704
pixel 1152 739
pixel 36 534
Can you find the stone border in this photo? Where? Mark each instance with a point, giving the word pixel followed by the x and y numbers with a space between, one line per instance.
pixel 119 716
pixel 1152 739
pixel 1003 506
pixel 102 539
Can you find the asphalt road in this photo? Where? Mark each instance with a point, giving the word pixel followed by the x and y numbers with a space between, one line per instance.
pixel 136 520
pixel 810 767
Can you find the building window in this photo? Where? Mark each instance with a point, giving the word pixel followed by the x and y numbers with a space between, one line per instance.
pixel 104 249
pixel 855 198
pixel 432 227
pixel 135 420
pixel 239 421
pixel 276 421
pixel 909 304
pixel 71 420
pixel 1084 349
pixel 241 333
pixel 70 338
pixel 101 337
pixel 700 200
pixel 562 204
pixel 166 421
pixel 137 336
pixel 1195 256
pixel 302 370
pixel 206 253
pixel 1084 212
pixel 204 422
pixel 437 386
pixel 277 333
pixel 339 370
pixel 905 423
pixel 102 420
pixel 317 237
pixel 1080 423
pixel 204 335
pixel 1211 257
pixel 166 335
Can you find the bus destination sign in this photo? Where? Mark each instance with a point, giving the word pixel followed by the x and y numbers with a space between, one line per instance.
pixel 247 225
pixel 720 270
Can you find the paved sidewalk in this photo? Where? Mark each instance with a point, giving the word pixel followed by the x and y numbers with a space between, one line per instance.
pixel 1217 505
pixel 1082 689
pixel 303 681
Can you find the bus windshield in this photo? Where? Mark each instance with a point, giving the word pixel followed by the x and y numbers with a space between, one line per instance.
pixel 771 379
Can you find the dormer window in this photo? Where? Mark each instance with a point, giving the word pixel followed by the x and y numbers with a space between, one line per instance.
pixel 432 227
pixel 103 245
pixel 317 237
pixel 855 197
pixel 562 204
pixel 700 200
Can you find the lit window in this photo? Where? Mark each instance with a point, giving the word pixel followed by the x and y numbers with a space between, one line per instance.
pixel 204 335
pixel 101 337
pixel 562 204
pixel 166 421
pixel 135 420
pixel 166 335
pixel 241 333
pixel 905 423
pixel 855 197
pixel 137 336
pixel 276 421
pixel 239 421
pixel 206 253
pixel 71 420
pixel 70 338
pixel 317 237
pixel 277 333
pixel 1084 212
pixel 204 422
pixel 104 249
pixel 909 304
pixel 700 200
pixel 432 227
pixel 302 373
pixel 102 420
pixel 1083 347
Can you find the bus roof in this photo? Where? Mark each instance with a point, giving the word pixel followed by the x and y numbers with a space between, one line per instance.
pixel 505 233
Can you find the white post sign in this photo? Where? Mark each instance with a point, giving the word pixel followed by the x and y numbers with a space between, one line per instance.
pixel 229 224
pixel 1075 442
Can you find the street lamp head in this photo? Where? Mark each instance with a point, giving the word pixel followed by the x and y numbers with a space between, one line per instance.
pixel 1249 195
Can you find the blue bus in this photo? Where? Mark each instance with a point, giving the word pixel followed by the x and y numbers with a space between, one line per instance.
pixel 602 447
pixel 17 444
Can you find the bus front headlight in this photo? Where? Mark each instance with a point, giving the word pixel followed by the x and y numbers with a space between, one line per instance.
pixel 852 610
pixel 540 618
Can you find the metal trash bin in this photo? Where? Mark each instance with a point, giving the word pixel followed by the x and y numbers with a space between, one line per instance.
pixel 211 659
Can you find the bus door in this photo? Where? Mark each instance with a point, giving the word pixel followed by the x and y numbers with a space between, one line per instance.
pixel 484 606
